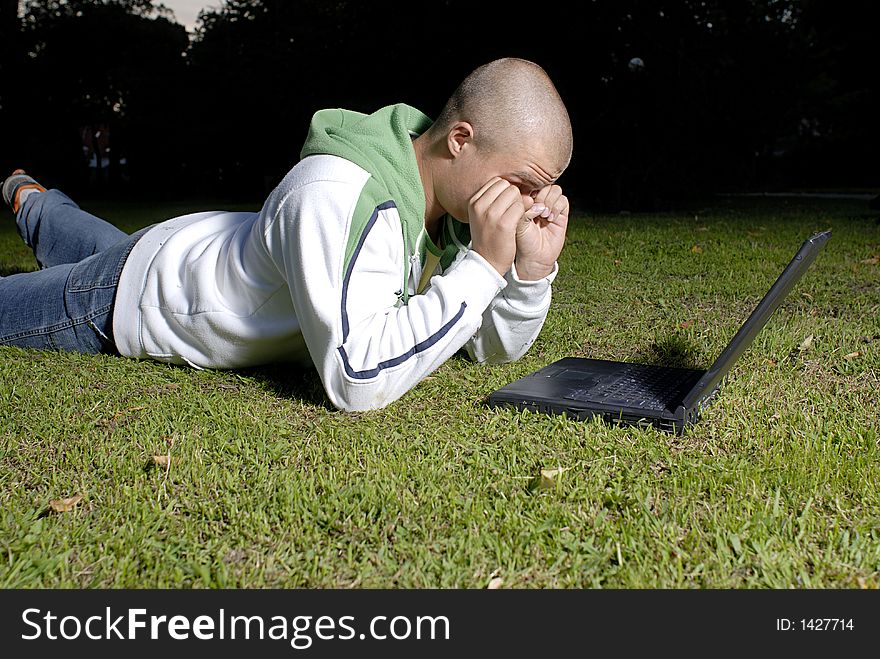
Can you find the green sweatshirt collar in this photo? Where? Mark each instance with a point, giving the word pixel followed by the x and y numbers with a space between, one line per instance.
pixel 380 143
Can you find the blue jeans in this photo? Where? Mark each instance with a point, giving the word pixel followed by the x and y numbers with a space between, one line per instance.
pixel 68 304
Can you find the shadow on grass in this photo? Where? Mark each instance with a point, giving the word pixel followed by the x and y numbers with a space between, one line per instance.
pixel 674 350
pixel 290 381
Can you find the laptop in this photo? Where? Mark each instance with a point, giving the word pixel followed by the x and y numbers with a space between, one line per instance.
pixel 671 399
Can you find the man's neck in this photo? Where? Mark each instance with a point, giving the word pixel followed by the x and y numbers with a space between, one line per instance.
pixel 433 211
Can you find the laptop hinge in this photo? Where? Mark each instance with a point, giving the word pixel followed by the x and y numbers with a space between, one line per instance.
pixel 683 418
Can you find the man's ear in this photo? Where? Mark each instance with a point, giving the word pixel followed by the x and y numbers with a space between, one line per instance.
pixel 460 134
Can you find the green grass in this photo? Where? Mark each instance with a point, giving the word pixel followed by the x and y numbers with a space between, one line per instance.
pixel 778 486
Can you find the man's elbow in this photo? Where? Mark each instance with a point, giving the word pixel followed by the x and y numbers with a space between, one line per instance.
pixel 360 397
pixel 500 354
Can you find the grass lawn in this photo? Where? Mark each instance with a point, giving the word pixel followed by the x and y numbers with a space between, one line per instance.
pixel 778 486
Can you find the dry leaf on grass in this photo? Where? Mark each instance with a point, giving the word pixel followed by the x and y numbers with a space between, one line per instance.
pixel 874 260
pixel 120 418
pixel 853 355
pixel 546 479
pixel 553 473
pixel 495 583
pixel 162 460
pixel 65 505
pixel 806 344
pixel 696 249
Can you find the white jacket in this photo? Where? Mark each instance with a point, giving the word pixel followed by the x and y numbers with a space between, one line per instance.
pixel 228 290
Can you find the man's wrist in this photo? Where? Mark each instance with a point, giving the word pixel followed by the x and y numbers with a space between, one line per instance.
pixel 531 271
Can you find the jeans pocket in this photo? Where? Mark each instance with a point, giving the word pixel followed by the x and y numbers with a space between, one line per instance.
pixel 102 270
pixel 65 307
pixel 91 292
pixel 98 271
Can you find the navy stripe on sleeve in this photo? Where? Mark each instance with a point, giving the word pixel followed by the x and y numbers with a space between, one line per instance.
pixel 357 250
pixel 417 348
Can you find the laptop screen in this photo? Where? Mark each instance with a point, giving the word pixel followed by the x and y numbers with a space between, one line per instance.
pixel 707 384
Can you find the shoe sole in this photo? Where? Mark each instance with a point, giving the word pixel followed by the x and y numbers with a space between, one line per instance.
pixel 12 188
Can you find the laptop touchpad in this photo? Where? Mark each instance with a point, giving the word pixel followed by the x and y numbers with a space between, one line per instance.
pixel 573 380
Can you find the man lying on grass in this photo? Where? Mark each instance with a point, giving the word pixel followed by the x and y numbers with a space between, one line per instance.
pixel 394 243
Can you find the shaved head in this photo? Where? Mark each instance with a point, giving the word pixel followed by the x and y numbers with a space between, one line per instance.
pixel 511 103
pixel 505 121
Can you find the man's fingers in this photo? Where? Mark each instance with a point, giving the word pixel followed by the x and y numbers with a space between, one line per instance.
pixel 487 185
pixel 560 207
pixel 494 201
pixel 551 196
pixel 548 194
pixel 494 213
pixel 488 193
pixel 498 199
pixel 534 211
pixel 544 215
pixel 512 216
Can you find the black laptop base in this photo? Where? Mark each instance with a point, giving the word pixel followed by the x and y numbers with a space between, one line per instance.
pixel 616 392
pixel 639 394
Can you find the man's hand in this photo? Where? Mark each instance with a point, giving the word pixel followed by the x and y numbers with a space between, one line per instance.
pixel 540 234
pixel 494 213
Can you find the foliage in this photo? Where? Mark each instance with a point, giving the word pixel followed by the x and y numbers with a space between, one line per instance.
pixel 670 100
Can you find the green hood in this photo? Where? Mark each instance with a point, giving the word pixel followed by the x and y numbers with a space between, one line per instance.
pixel 380 143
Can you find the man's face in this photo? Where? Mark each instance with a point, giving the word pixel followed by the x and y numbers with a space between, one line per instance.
pixel 529 170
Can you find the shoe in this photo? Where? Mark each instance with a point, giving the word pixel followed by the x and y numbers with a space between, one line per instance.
pixel 15 184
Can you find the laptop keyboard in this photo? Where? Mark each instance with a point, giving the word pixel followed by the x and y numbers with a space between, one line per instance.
pixel 652 387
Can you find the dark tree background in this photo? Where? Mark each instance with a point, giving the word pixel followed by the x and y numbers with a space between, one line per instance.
pixel 671 101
